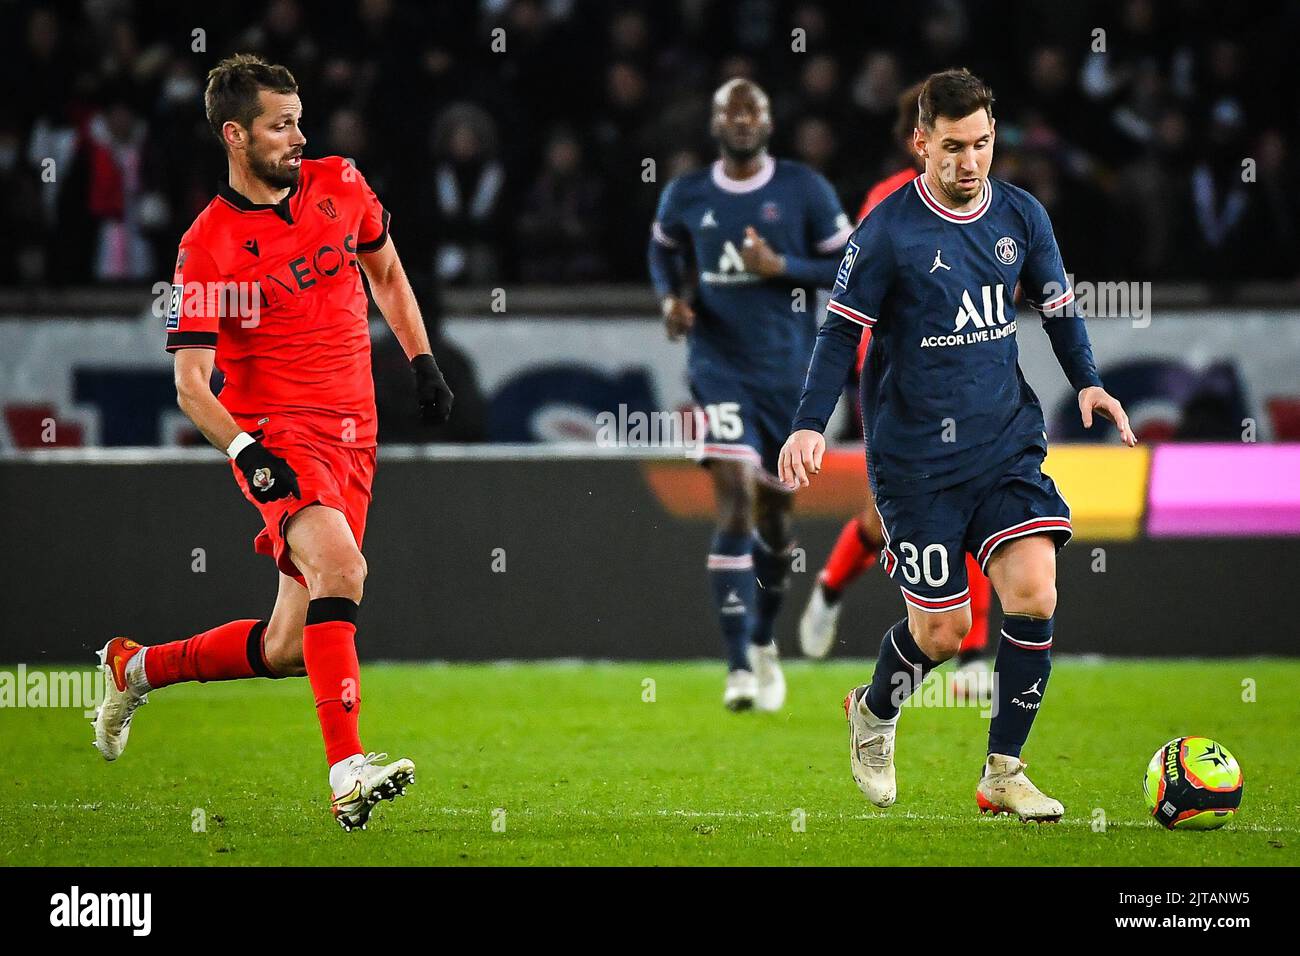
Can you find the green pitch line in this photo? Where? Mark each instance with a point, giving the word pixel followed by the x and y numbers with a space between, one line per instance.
pixel 574 765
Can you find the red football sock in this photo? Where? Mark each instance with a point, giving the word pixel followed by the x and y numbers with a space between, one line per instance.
pixel 231 651
pixel 850 557
pixel 329 652
pixel 981 595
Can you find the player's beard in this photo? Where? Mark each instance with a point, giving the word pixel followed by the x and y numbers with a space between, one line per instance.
pixel 742 152
pixel 275 173
pixel 956 192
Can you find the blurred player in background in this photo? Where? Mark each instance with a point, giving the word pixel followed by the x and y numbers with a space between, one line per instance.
pixel 955 437
pixel 860 540
pixel 763 235
pixel 268 289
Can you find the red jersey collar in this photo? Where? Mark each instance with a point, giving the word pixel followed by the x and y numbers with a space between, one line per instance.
pixel 243 204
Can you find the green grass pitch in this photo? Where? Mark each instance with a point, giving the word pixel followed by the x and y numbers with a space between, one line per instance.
pixel 545 764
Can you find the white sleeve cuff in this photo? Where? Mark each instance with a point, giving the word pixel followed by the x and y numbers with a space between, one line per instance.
pixel 240 442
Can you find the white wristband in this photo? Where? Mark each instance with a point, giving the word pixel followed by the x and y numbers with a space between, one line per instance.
pixel 241 441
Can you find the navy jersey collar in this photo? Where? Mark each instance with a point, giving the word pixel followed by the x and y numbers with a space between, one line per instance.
pixel 943 212
pixel 760 179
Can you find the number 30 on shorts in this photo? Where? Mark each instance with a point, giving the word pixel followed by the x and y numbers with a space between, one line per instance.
pixel 724 420
pixel 932 564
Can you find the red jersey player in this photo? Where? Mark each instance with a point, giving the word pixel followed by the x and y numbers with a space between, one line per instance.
pixel 861 540
pixel 268 288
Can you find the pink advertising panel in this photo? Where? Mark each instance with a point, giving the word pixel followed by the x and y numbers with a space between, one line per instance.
pixel 1225 490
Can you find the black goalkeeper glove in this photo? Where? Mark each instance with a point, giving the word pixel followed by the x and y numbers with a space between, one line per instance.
pixel 269 476
pixel 431 389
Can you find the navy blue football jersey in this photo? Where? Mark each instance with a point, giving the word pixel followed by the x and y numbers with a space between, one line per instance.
pixel 943 397
pixel 750 325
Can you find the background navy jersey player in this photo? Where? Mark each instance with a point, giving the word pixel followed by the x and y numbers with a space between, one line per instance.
pixel 761 235
pixel 752 334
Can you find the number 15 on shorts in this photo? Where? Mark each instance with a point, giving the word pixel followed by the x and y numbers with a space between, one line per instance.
pixel 725 423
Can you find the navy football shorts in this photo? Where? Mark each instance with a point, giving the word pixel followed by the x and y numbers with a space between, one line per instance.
pixel 927 535
pixel 741 421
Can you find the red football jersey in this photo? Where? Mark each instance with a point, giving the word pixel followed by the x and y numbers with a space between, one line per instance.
pixel 276 290
pixel 881 190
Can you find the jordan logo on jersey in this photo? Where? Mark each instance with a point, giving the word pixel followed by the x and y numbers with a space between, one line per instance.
pixel 938 262
pixel 708 222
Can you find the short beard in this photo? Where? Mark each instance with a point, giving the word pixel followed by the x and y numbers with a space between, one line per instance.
pixel 277 177
pixel 951 191
pixel 737 155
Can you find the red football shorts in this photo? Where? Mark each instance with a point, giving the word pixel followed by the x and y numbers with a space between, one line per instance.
pixel 336 476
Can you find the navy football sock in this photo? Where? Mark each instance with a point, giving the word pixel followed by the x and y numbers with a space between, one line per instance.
pixel 731 575
pixel 771 568
pixel 1022 666
pixel 899 671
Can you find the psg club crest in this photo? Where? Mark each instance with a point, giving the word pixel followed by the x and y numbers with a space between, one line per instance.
pixel 770 211
pixel 327 207
pixel 1006 250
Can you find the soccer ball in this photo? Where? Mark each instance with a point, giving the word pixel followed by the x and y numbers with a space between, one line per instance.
pixel 1193 783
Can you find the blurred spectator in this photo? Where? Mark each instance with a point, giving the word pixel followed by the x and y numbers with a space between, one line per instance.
pixel 559 239
pixel 20 210
pixel 1136 135
pixel 875 91
pixel 468 181
pixel 624 137
pixel 1277 211
pixel 107 204
pixel 1223 243
pixel 1155 190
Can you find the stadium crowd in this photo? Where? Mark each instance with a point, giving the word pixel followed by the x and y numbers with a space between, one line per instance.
pixel 1160 154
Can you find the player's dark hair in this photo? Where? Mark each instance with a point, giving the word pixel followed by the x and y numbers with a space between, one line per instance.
pixel 233 85
pixel 952 94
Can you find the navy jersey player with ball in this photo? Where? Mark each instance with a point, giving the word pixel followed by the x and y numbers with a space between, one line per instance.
pixel 955 439
pixel 763 234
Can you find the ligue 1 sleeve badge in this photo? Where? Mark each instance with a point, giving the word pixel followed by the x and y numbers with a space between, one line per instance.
pixel 1006 250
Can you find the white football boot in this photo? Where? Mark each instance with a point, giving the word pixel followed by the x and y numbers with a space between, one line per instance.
pixel 819 624
pixel 741 690
pixel 871 749
pixel 771 680
pixel 112 720
pixel 370 782
pixel 1004 788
